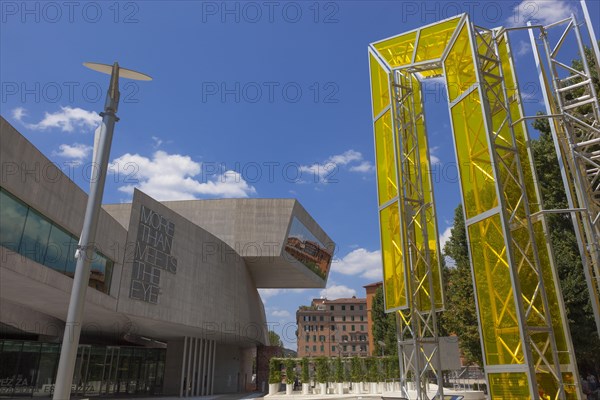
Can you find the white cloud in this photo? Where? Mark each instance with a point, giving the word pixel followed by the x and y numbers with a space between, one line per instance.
pixel 523 48
pixel 337 292
pixel 280 314
pixel 540 12
pixel 18 113
pixel 364 166
pixel 444 237
pixel 172 177
pixel 157 142
pixel 346 158
pixel 266 294
pixel 67 119
pixel 76 151
pixel 324 172
pixel 433 155
pixel 362 262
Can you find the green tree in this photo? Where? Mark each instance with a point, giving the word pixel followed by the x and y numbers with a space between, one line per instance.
pixel 305 373
pixel 339 370
pixel 460 316
pixel 274 339
pixel 356 371
pixel 322 370
pixel 384 326
pixel 290 371
pixel 275 370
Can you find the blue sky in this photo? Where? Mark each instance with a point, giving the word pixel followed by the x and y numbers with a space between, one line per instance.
pixel 249 99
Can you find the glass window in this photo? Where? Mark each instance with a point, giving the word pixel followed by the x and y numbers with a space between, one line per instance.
pixel 321 318
pixel 331 308
pixel 314 347
pixel 322 348
pixel 351 308
pixel 59 245
pixel 353 328
pixel 12 221
pixel 343 308
pixel 25 230
pixel 333 348
pixel 360 308
pixel 35 237
pixel 343 327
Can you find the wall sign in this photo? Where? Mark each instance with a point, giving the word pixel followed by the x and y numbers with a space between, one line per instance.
pixel 152 256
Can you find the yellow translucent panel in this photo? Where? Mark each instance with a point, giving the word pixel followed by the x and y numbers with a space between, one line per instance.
pixel 509 386
pixel 519 129
pixel 528 278
pixel 497 312
pixel 431 227
pixel 394 273
pixel 434 39
pixel 398 50
pixel 460 70
pixel 380 88
pixel 476 176
pixel 386 164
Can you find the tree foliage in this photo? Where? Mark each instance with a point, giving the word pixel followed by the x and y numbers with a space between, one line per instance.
pixel 384 326
pixel 274 339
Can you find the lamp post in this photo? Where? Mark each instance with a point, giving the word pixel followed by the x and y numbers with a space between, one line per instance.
pixel 86 247
pixel 382 344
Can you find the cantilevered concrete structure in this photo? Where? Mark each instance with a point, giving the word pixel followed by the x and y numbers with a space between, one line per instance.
pixel 173 307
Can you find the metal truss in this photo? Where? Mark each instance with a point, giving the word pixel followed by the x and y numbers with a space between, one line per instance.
pixel 574 117
pixel 417 326
pixel 522 321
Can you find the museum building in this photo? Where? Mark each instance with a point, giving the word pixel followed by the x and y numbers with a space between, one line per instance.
pixel 172 306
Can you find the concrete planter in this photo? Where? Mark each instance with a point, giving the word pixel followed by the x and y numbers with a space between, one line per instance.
pixel 305 388
pixel 273 388
pixel 322 388
pixel 372 387
pixel 357 387
pixel 340 388
pixel 289 388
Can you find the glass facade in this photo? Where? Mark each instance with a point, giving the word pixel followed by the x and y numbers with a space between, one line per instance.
pixel 303 246
pixel 29 233
pixel 29 368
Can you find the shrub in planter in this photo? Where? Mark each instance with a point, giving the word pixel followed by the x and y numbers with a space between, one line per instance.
pixel 290 375
pixel 274 375
pixel 305 376
pixel 372 373
pixel 356 374
pixel 322 373
pixel 338 375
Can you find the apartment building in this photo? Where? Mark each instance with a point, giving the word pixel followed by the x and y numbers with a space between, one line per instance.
pixel 333 328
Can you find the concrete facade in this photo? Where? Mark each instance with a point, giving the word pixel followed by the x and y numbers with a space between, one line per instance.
pixel 184 274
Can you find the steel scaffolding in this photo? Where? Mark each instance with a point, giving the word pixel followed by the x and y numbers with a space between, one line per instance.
pixel 524 331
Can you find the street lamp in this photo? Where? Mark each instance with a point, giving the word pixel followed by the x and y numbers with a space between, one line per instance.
pixel 382 344
pixel 86 247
